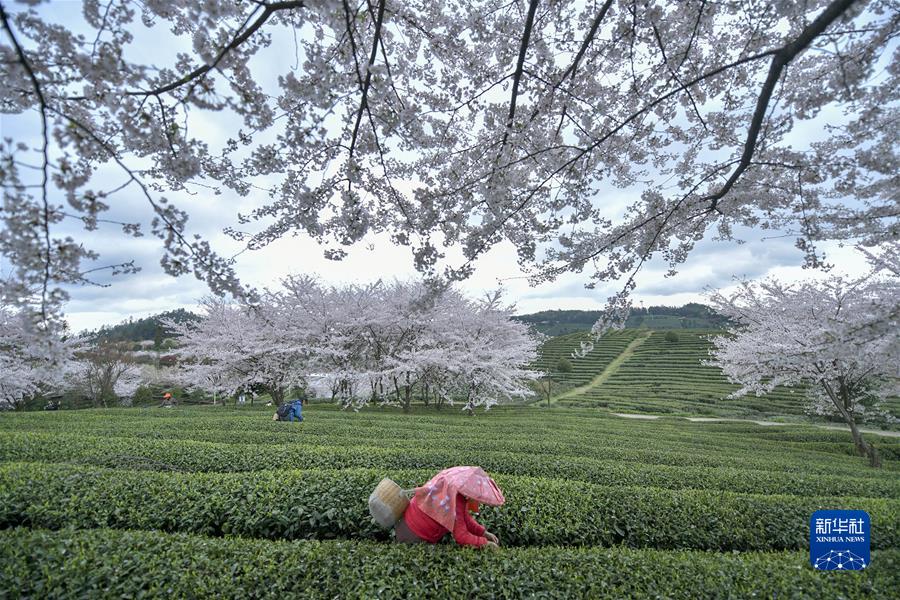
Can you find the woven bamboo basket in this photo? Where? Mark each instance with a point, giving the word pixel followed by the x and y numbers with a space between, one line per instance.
pixel 387 503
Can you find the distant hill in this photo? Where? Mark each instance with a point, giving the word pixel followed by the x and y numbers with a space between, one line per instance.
pixel 139 330
pixel 548 322
pixel 690 316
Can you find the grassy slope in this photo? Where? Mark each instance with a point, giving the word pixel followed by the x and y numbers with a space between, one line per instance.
pixel 662 377
pixel 608 371
pixel 576 477
pixel 584 369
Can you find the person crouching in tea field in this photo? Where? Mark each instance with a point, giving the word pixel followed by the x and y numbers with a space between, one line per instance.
pixel 289 411
pixel 442 505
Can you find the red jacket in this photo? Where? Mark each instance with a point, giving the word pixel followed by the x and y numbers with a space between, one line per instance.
pixel 466 531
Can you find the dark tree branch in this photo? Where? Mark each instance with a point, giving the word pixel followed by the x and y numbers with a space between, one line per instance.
pixel 101 29
pixel 166 128
pixel 173 228
pixel 573 68
pixel 673 73
pixel 348 20
pixel 780 61
pixel 364 101
pixel 199 72
pixel 570 72
pixel 517 74
pixel 690 44
pixel 45 152
pixel 194 76
pixel 637 114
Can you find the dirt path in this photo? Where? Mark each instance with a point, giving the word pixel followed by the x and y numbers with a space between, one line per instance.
pixel 721 419
pixel 872 431
pixel 763 423
pixel 636 416
pixel 608 371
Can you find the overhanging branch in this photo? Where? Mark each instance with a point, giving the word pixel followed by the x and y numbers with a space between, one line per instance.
pixel 780 61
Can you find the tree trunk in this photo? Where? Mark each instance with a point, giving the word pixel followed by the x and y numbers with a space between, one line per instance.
pixel 404 403
pixel 470 405
pixel 277 396
pixel 862 446
pixel 843 405
pixel 407 392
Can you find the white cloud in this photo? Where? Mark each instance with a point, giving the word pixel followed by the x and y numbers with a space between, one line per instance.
pixel 712 265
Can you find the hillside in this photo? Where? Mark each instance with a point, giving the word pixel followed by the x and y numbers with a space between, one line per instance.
pixel 547 322
pixel 140 330
pixel 689 316
pixel 659 376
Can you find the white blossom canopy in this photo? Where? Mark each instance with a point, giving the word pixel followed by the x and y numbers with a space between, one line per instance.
pixel 457 125
pixel 382 342
pixel 839 337
pixel 32 359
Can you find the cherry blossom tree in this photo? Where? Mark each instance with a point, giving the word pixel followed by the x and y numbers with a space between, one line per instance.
pixel 840 337
pixel 488 354
pixel 453 127
pixel 235 348
pixel 386 341
pixel 104 372
pixel 31 358
pixel 326 321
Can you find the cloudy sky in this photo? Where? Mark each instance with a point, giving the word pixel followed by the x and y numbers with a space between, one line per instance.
pixel 712 265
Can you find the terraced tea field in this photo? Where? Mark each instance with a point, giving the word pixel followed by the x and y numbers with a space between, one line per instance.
pixel 664 377
pixel 225 503
pixel 587 368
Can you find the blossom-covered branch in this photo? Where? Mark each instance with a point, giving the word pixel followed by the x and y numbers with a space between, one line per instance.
pixel 476 107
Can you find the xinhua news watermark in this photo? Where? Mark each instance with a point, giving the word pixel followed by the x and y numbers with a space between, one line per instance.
pixel 839 540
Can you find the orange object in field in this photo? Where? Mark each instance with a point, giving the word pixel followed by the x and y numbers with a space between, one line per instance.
pixel 167 395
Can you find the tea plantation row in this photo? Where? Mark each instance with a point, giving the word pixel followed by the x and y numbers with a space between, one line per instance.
pixel 192 456
pixel 137 564
pixel 564 434
pixel 667 376
pixel 132 503
pixel 328 504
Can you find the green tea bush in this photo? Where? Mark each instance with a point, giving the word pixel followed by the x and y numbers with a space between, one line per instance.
pixel 682 444
pixel 597 506
pixel 144 395
pixel 133 564
pixel 332 504
pixel 173 454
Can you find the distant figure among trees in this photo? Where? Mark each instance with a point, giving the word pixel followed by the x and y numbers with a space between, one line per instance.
pixel 289 411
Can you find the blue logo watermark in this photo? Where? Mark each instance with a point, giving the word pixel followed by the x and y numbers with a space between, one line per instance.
pixel 839 540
